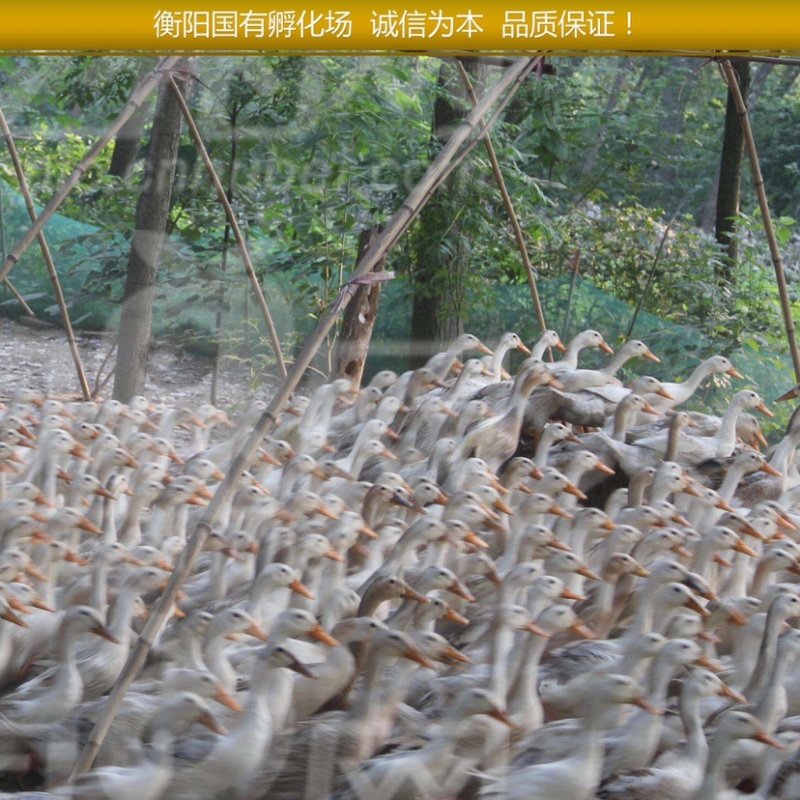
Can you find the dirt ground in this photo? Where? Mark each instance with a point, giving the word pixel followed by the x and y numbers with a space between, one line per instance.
pixel 39 358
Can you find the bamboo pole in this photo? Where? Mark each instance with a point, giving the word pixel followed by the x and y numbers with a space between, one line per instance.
pixel 509 206
pixel 138 96
pixel 758 182
pixel 6 282
pixel 394 228
pixel 480 129
pixel 48 259
pixel 237 231
pixel 19 298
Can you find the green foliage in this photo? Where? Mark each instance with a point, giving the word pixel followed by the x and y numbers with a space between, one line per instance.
pixel 326 147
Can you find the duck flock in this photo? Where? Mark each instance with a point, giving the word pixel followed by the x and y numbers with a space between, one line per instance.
pixel 452 583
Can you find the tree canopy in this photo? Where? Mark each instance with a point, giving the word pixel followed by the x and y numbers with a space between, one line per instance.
pixel 612 163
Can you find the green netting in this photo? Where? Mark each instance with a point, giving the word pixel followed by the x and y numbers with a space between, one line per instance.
pixel 569 306
pixel 90 259
pixel 30 276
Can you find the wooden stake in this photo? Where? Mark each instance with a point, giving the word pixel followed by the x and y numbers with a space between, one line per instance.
pixel 509 206
pixel 237 231
pixel 758 182
pixel 138 96
pixel 48 259
pixel 394 228
pixel 19 298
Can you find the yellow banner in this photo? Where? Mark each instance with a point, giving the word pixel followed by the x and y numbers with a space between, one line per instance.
pixel 385 25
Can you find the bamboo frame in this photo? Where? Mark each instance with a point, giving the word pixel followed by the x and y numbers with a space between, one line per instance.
pixel 758 182
pixel 48 259
pixel 237 231
pixel 138 96
pixel 19 298
pixel 394 229
pixel 509 206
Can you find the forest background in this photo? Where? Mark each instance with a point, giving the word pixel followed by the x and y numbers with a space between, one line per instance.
pixel 620 171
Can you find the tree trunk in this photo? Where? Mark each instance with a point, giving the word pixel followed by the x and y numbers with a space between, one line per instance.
pixel 128 140
pixel 673 102
pixel 441 252
pixel 612 101
pixel 126 145
pixel 358 320
pixel 730 174
pixel 151 219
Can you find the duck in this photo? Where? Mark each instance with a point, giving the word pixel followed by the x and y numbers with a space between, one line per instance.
pixel 151 778
pixel 574 777
pixel 52 695
pixel 681 392
pixel 427 771
pixel 585 339
pixel 693 450
pixel 441 363
pixel 233 759
pixel 496 439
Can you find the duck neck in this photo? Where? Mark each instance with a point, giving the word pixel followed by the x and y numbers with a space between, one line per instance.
pixel 217 661
pixel 499 678
pixel 763 570
pixel 621 357
pixel 696 746
pixel 523 698
pixel 130 532
pixel 120 613
pixel 769 707
pixel 217 580
pixel 99 592
pixel 622 421
pixel 725 438
pixel 191 648
pixel 784 451
pixel 712 780
pixel 108 520
pixel 643 619
pixel 692 383
pixel 66 645
pixel 766 653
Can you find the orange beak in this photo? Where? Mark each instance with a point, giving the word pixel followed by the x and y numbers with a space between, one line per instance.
pixel 741 547
pixel 575 491
pixel 10 616
pixel 460 591
pixel 765 738
pixel 300 588
pixel 89 527
pixel 453 616
pixel 258 632
pixel 533 628
pixel 651 357
pixel 583 631
pixel 321 635
pixel 104 633
pixel 416 656
pixel 587 573
pixel 790 395
pixel 223 697
pixel 557 511
pixel 764 410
